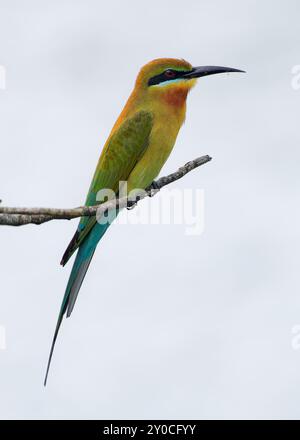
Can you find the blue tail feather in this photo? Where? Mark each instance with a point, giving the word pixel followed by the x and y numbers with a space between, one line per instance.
pixel 80 266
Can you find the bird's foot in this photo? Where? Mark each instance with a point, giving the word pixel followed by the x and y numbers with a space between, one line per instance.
pixel 132 203
pixel 153 189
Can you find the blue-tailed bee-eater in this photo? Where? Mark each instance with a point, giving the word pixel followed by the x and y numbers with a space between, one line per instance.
pixel 138 146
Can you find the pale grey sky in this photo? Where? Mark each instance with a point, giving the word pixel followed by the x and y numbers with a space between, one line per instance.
pixel 166 325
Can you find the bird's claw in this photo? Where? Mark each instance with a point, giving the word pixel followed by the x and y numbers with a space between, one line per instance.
pixel 132 203
pixel 153 189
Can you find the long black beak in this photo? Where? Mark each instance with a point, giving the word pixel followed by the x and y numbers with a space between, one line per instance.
pixel 198 72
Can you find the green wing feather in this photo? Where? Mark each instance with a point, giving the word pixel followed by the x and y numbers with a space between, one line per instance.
pixel 120 155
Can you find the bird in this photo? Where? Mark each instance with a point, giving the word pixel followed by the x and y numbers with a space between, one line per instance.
pixel 137 147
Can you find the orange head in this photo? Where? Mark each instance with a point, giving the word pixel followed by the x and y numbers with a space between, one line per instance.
pixel 170 79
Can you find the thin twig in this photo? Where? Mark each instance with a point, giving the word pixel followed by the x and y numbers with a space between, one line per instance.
pixel 24 216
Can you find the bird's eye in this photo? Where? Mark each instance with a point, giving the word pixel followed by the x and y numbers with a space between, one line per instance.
pixel 170 74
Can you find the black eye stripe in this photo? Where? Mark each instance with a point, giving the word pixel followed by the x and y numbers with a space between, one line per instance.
pixel 166 76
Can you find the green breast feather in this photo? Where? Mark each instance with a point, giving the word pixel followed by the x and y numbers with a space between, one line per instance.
pixel 123 151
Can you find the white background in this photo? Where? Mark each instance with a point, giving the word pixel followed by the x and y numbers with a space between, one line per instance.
pixel 166 325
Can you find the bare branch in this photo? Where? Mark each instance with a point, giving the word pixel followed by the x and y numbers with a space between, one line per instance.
pixel 24 216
